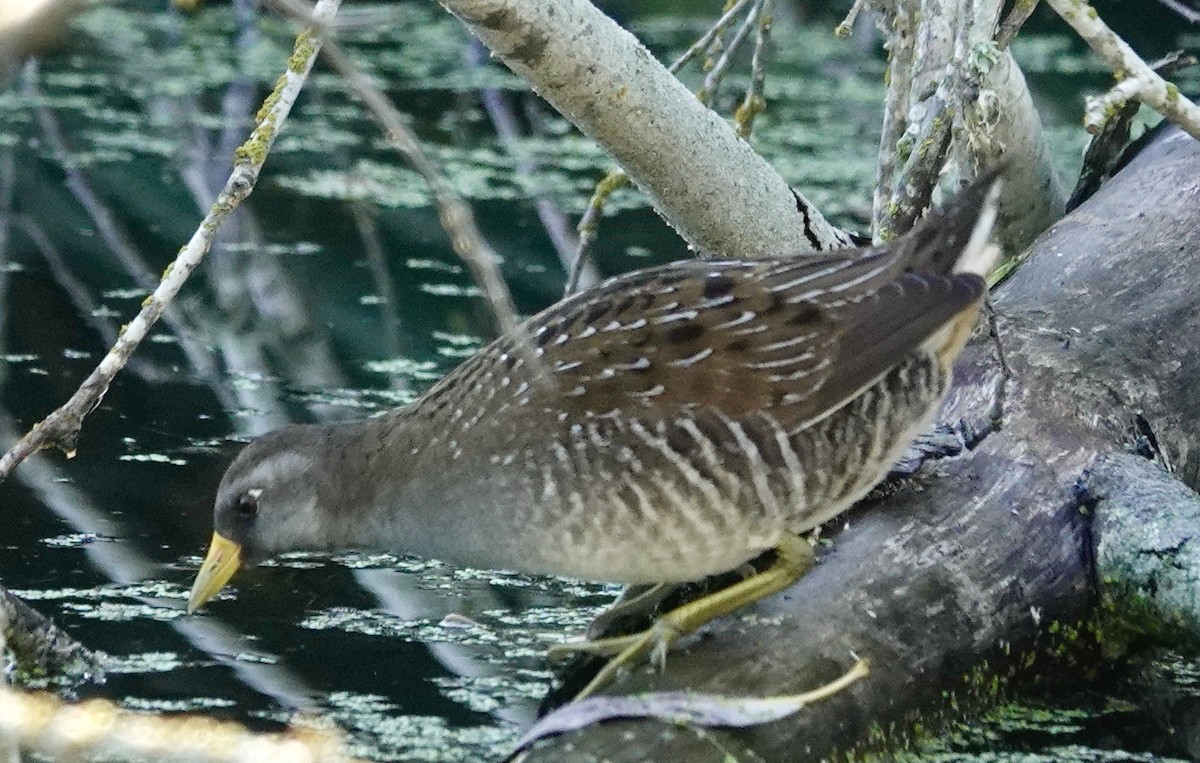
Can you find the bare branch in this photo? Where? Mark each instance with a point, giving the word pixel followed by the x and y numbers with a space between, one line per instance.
pixel 624 92
pixel 710 37
pixel 1002 124
pixel 500 110
pixel 1136 79
pixel 847 26
pixel 716 72
pixel 760 17
pixel 1191 14
pixel 1108 144
pixel 61 428
pixel 898 27
pixel 753 104
pixel 1013 22
pixel 455 214
pixel 589 224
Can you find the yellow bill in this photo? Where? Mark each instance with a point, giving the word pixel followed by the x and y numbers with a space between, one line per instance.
pixel 224 558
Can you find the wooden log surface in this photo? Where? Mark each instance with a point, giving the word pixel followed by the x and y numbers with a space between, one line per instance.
pixel 981 564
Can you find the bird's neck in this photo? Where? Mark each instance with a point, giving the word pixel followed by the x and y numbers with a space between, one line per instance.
pixel 365 481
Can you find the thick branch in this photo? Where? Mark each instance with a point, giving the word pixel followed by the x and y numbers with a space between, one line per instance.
pixel 720 195
pixel 1147 555
pixel 1003 125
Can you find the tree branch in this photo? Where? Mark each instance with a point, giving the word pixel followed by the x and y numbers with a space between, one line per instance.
pixel 1147 554
pixel 61 428
pixel 1136 78
pixel 39 646
pixel 720 195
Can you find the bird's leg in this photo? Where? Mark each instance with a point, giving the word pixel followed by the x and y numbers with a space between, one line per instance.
pixel 642 602
pixel 634 601
pixel 793 558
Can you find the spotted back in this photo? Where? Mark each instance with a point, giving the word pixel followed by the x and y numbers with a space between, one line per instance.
pixel 797 336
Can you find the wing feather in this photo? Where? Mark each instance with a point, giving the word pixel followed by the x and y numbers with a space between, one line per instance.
pixel 742 337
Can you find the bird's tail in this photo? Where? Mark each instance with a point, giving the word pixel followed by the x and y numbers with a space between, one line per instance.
pixel 957 238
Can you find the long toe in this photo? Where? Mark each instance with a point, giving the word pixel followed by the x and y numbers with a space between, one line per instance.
pixel 605 647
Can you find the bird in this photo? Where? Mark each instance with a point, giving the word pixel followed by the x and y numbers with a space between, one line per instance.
pixel 661 427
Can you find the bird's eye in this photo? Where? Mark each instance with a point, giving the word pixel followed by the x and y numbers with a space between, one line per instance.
pixel 247 504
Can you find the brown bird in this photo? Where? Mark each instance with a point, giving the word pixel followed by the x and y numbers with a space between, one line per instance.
pixel 666 425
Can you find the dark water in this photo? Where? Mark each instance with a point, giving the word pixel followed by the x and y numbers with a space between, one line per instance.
pixel 335 295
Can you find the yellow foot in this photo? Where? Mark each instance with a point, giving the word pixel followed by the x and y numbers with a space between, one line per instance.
pixel 600 646
pixel 793 558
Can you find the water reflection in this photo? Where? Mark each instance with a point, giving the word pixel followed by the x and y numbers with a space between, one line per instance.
pixel 309 309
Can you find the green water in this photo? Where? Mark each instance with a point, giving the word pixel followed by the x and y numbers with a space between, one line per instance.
pixel 335 295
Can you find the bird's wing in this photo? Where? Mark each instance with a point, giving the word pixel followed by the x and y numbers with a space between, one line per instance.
pixel 887 326
pixel 799 337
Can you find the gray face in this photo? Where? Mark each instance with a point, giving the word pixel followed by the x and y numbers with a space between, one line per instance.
pixel 268 500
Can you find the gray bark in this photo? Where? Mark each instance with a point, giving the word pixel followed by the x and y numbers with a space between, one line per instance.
pixel 979 566
pixel 1148 565
pixel 39 647
pixel 709 184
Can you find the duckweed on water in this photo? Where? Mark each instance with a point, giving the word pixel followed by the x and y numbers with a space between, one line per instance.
pixel 142 662
pixel 380 733
pixel 120 612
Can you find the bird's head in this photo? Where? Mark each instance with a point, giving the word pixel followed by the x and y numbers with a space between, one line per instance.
pixel 269 502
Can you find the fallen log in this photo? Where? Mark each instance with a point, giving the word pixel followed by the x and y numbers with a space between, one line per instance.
pixel 977 575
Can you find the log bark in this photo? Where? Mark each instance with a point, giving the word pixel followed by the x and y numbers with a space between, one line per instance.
pixel 980 567
pixel 39 647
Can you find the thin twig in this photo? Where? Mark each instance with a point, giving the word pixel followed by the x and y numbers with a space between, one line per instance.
pixel 744 116
pixel 754 103
pixel 61 428
pixel 901 42
pixel 716 73
pixel 500 111
pixel 368 234
pixel 702 44
pixel 455 214
pixel 589 224
pixel 847 26
pixel 1016 18
pixel 1190 14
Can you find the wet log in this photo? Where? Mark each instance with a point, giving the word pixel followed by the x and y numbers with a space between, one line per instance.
pixel 40 648
pixel 977 574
